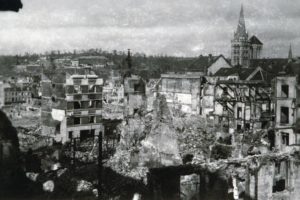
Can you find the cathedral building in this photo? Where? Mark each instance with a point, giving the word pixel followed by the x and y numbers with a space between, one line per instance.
pixel 243 48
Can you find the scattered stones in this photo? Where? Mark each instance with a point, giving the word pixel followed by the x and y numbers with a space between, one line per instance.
pixel 60 172
pixel 55 166
pixel 137 196
pixel 48 186
pixel 32 176
pixel 95 192
pixel 84 186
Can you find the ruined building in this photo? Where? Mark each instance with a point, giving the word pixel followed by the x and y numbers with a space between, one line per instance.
pixel 182 91
pixel 134 90
pixel 134 94
pixel 285 94
pixel 243 99
pixel 209 65
pixel 71 105
pixel 244 49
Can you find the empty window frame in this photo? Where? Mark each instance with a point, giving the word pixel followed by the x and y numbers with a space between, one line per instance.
pixel 284 91
pixel 239 112
pixel 76 120
pixel 285 138
pixel 284 115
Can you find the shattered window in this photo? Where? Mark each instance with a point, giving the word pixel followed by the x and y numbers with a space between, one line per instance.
pixel 280 177
pixel 70 121
pixel 77 89
pixel 70 106
pixel 284 115
pixel 77 105
pixel 239 112
pixel 76 120
pixel 84 89
pixel 285 138
pixel 92 119
pixel 84 104
pixel 284 91
pixel 70 134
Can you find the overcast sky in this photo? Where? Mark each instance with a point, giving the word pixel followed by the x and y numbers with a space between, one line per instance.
pixel 173 27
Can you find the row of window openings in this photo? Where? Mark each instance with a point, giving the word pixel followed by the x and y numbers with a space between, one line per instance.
pixel 17 93
pixel 81 120
pixel 264 125
pixel 246 92
pixel 82 88
pixel 264 108
pixel 84 104
pixel 238 52
pixel 284 114
pixel 15 99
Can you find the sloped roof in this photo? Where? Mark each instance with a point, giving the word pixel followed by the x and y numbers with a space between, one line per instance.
pixel 255 40
pixel 243 73
pixel 203 62
pixel 271 65
pixel 200 63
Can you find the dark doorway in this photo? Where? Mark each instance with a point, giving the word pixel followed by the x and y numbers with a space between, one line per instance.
pixel 271 137
pixel 85 134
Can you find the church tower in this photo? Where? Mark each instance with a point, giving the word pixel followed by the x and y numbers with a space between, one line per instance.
pixel 239 44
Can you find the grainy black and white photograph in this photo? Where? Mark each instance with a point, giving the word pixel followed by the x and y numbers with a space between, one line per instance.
pixel 149 100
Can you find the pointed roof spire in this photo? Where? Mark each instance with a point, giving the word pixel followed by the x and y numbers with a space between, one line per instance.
pixel 241 28
pixel 128 59
pixel 290 53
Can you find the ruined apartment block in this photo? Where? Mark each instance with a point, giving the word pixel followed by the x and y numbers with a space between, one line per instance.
pixel 72 106
pixel 285 95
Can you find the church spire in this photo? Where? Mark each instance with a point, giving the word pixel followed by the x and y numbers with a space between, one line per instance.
pixel 241 28
pixel 290 53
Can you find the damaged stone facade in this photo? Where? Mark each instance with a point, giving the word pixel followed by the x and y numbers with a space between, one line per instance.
pixel 72 106
pixel 134 94
pixel 285 94
pixel 182 91
pixel 113 98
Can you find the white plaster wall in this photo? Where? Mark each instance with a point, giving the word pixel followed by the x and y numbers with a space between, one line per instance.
pixel 290 81
pixel 265 181
pixel 278 138
pixel 220 63
pixel 284 103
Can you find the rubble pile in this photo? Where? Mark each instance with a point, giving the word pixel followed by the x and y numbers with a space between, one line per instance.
pixel 31 138
pixel 121 162
pixel 146 141
pixel 195 137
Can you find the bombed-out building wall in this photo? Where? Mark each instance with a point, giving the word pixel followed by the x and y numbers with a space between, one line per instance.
pixel 275 178
pixel 245 105
pixel 285 94
pixel 182 91
pixel 53 97
pixel 113 98
pixel 134 94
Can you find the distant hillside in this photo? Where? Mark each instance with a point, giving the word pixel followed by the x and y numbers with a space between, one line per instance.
pixel 146 66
